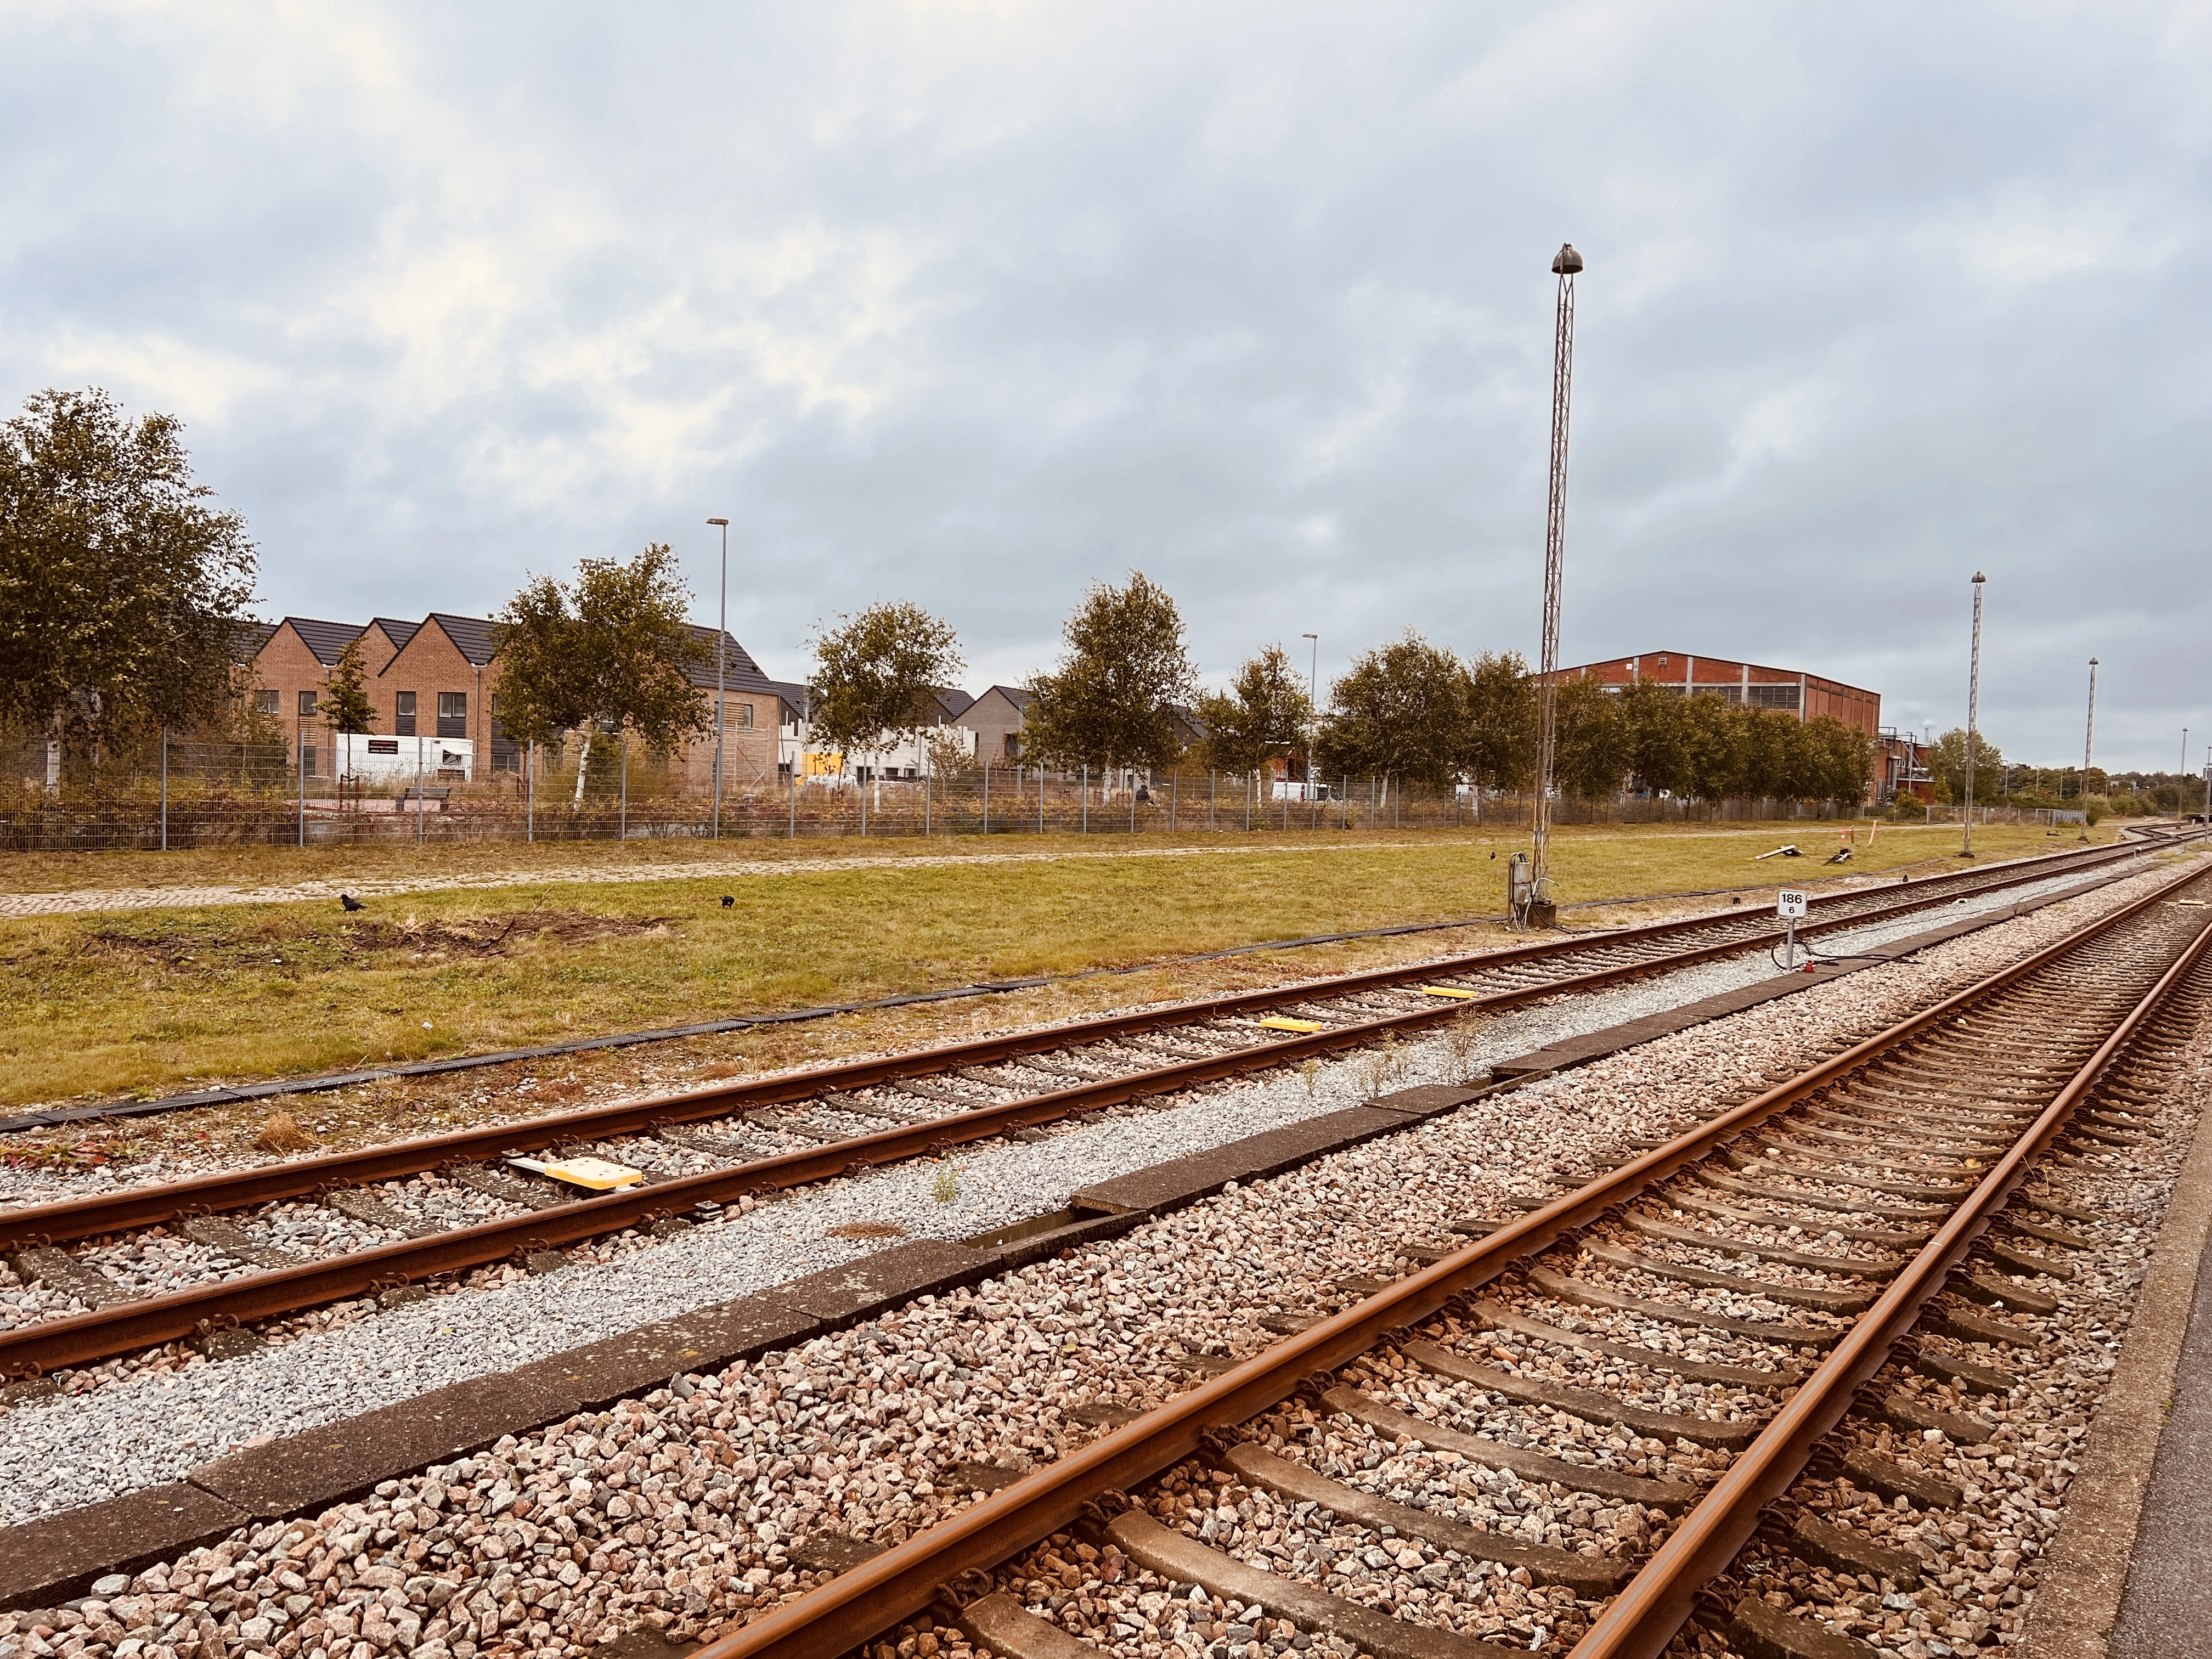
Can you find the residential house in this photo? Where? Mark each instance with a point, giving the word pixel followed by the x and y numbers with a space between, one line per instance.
pixel 290 662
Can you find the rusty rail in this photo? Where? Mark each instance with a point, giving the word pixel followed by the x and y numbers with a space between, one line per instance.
pixel 904 1580
pixel 151 1205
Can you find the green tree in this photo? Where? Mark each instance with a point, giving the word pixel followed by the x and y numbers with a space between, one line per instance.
pixel 1657 735
pixel 1592 755
pixel 121 591
pixel 345 705
pixel 1123 669
pixel 1498 746
pixel 874 674
pixel 610 652
pixel 1265 712
pixel 1400 711
pixel 1843 760
pixel 1947 761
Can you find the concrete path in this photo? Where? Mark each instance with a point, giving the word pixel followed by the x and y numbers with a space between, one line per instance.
pixel 2166 1610
pixel 84 900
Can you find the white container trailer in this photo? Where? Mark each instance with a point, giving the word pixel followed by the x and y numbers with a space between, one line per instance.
pixel 377 761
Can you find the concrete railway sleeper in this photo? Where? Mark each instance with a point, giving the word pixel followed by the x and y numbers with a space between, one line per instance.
pixel 151 1268
pixel 1595 1415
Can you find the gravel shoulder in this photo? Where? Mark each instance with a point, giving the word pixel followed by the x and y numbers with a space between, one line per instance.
pixel 685 1508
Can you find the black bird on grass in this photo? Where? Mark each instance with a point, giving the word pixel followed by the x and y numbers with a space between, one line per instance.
pixel 728 903
pixel 349 901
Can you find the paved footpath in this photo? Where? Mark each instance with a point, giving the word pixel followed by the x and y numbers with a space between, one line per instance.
pixel 2166 1609
pixel 82 900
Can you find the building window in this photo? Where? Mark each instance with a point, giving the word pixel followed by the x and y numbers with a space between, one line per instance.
pixel 264 702
pixel 742 716
pixel 403 715
pixel 1013 745
pixel 310 762
pixel 506 753
pixel 1774 697
pixel 452 714
pixel 307 705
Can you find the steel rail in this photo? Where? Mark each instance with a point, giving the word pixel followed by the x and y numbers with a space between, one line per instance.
pixel 907 1578
pixel 1641 1621
pixel 151 1205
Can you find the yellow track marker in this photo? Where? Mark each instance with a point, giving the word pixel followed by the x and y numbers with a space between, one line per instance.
pixel 1450 991
pixel 1277 1022
pixel 596 1175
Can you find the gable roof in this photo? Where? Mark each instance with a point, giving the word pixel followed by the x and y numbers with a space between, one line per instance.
pixel 397 631
pixel 951 701
pixel 476 638
pixel 246 639
pixel 740 672
pixel 325 638
pixel 1019 696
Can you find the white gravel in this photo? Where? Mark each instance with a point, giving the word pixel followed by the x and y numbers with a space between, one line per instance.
pixel 1512 1034
pixel 125 1427
pixel 680 1509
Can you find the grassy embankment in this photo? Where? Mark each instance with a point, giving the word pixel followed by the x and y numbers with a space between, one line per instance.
pixel 152 1000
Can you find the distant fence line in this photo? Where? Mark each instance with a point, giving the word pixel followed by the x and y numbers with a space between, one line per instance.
pixel 243 794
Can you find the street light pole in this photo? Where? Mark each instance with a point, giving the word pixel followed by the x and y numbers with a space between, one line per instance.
pixel 1973 711
pixel 1313 714
pixel 1565 265
pixel 2089 748
pixel 722 635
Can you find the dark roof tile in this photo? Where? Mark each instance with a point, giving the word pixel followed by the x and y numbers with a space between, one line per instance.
pixel 476 638
pixel 324 639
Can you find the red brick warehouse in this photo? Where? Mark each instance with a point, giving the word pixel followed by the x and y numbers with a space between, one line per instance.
pixel 1809 696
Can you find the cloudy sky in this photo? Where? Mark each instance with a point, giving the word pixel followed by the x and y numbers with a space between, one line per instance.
pixel 976 304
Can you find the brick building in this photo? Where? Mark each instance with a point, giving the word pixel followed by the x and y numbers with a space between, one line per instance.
pixel 439 678
pixel 291 661
pixel 1809 696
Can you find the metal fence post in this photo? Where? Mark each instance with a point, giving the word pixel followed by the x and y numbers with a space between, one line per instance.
pixel 1086 800
pixel 301 758
pixel 622 823
pixel 420 807
pixel 164 789
pixel 1174 790
pixel 793 834
pixel 530 792
pixel 987 794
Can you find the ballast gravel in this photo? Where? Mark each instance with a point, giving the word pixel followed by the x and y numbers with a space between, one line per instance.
pixel 1514 1033
pixel 682 1509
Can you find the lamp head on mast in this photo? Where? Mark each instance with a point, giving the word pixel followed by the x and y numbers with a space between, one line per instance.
pixel 1566 262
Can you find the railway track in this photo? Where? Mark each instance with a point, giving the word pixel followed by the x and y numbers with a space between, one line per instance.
pixel 1858 1243
pixel 200 1259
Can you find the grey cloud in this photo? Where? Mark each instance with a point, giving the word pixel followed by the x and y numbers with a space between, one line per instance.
pixel 974 305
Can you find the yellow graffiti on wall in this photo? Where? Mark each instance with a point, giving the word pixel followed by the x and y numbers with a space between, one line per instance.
pixel 825 765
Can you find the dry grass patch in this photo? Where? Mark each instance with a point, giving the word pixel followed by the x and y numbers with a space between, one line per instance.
pixel 151 1002
pixel 282 1134
pixel 867 1230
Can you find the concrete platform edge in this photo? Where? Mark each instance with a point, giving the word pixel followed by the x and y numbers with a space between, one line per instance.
pixel 2078 1598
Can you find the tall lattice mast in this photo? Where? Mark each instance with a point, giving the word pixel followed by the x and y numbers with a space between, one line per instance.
pixel 1565 266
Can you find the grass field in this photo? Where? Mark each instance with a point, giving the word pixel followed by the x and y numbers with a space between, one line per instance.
pixel 147 1001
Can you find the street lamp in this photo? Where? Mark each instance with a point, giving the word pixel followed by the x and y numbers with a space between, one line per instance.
pixel 1313 713
pixel 722 635
pixel 1973 711
pixel 1537 908
pixel 2089 748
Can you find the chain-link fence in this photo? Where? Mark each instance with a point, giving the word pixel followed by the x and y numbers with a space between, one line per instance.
pixel 197 794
